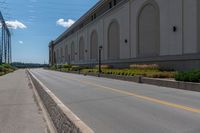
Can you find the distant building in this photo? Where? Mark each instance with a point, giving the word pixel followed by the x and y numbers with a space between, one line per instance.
pixel 166 32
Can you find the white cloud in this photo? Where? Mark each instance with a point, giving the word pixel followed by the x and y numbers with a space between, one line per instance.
pixel 64 23
pixel 21 42
pixel 15 24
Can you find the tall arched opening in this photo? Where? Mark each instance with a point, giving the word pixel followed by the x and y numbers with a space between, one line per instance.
pixel 113 41
pixel 148 30
pixel 94 45
pixel 81 49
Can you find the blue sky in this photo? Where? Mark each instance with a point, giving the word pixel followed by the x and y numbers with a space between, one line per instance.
pixel 34 23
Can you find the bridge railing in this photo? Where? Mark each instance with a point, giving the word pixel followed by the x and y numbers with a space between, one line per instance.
pixel 5 42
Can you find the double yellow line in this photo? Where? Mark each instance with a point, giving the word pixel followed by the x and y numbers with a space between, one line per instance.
pixel 178 106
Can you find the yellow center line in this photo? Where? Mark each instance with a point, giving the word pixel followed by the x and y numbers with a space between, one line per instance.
pixel 178 106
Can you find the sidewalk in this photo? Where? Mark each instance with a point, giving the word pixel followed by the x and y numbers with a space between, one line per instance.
pixel 19 112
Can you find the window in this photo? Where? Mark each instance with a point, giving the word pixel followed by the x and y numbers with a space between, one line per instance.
pixel 95 16
pixel 115 2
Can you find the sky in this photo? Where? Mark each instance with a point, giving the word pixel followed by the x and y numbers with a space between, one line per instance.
pixel 34 23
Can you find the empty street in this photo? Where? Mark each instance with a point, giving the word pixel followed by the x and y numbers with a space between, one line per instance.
pixel 113 106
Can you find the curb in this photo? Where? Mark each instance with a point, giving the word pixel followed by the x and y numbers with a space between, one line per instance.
pixel 49 123
pixel 64 120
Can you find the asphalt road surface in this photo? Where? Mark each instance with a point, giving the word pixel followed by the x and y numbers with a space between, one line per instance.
pixel 113 106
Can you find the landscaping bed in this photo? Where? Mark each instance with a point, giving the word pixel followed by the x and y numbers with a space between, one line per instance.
pixel 151 71
pixel 189 76
pixel 5 69
pixel 148 74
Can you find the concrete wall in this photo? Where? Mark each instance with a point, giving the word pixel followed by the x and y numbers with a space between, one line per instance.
pixel 176 30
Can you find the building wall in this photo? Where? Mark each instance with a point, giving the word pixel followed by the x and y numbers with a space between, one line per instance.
pixel 177 25
pixel 198 23
pixel 190 26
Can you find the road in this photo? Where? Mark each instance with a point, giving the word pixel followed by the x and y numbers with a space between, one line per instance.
pixel 113 106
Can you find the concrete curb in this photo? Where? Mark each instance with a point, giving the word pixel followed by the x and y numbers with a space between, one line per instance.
pixel 64 120
pixel 153 81
pixel 49 122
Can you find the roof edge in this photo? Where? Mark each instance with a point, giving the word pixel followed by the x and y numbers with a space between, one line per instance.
pixel 99 3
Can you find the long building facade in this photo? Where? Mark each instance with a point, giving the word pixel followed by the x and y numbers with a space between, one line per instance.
pixel 165 32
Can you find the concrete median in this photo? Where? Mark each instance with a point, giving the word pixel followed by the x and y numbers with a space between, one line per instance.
pixel 64 120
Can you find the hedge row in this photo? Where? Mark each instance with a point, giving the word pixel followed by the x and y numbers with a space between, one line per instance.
pixel 190 76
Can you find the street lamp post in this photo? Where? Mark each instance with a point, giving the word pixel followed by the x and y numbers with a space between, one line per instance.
pixel 69 59
pixel 100 50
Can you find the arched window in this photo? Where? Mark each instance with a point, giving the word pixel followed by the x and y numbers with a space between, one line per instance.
pixel 81 49
pixel 113 41
pixel 94 45
pixel 148 30
pixel 66 54
pixel 72 51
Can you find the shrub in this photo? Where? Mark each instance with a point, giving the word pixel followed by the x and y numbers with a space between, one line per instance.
pixel 59 67
pixel 1 73
pixel 132 72
pixel 75 68
pixel 6 68
pixel 54 67
pixel 78 68
pixel 104 66
pixel 161 75
pixel 190 76
pixel 145 66
pixel 2 68
pixel 66 66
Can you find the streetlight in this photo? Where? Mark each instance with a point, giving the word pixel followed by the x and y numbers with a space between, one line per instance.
pixel 69 59
pixel 100 50
pixel 62 59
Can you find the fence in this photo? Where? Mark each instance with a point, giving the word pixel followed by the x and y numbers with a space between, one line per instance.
pixel 5 42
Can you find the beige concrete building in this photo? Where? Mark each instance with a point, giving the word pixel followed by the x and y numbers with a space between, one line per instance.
pixel 133 31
